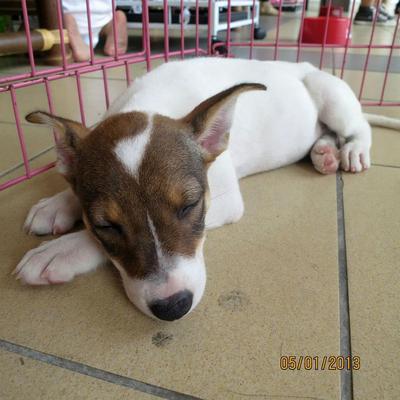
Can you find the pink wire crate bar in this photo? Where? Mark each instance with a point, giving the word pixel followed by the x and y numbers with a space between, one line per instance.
pixel 187 28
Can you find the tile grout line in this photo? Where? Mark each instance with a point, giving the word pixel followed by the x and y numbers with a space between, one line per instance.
pixel 93 372
pixel 21 164
pixel 346 376
pixel 385 166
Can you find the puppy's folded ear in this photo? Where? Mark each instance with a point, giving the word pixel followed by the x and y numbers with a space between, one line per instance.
pixel 212 119
pixel 68 135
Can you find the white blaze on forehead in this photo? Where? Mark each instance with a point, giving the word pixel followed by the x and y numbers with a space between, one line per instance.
pixel 160 255
pixel 130 151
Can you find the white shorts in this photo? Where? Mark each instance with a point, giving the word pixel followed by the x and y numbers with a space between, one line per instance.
pixel 100 15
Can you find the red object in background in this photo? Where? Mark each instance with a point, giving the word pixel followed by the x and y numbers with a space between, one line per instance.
pixel 314 28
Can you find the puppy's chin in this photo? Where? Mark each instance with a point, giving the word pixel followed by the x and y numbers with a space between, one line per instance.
pixel 188 275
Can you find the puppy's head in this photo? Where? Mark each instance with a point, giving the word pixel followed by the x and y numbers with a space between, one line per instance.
pixel 142 183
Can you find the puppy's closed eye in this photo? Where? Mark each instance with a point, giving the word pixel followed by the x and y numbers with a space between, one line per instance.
pixel 108 227
pixel 185 210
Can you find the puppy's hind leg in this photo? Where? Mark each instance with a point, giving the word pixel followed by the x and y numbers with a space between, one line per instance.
pixel 340 111
pixel 325 154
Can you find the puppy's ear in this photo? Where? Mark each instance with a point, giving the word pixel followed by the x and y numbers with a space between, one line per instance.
pixel 212 119
pixel 68 135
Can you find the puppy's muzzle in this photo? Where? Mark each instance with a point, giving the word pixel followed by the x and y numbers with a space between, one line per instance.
pixel 173 307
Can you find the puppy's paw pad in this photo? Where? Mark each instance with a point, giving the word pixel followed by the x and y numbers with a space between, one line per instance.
pixel 325 158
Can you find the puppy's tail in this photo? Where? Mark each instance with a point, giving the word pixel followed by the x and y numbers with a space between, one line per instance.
pixel 384 122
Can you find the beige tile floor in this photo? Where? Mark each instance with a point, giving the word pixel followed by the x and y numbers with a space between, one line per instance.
pixel 25 378
pixel 274 284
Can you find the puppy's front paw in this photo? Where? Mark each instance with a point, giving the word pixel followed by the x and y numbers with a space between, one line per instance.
pixel 355 156
pixel 53 215
pixel 59 260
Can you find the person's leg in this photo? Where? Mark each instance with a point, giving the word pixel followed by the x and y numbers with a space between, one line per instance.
pixel 267 8
pixel 80 50
pixel 122 35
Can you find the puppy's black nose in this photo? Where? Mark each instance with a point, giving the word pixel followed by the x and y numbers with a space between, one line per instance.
pixel 173 307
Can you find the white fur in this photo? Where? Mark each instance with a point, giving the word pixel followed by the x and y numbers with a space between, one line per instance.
pixel 60 260
pixel 270 129
pixel 178 273
pixel 130 151
pixel 54 215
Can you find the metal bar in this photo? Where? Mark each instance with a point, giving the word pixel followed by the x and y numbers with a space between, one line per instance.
pixel 20 132
pixel 28 37
pixel 368 51
pixel 347 45
pixel 80 99
pixel 61 33
pixel 90 32
pixel 389 60
pixel 328 16
pixel 106 95
pixel 166 28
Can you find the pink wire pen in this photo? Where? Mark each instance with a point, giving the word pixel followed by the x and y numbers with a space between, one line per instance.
pixel 328 16
pixel 61 32
pixel 89 21
pixel 182 26
pixel 49 101
pixel 23 178
pixel 389 61
pixel 146 32
pixel 80 99
pixel 28 37
pixel 115 30
pixel 106 95
pixel 20 132
pixel 303 12
pixel 209 19
pixel 202 42
pixel 346 48
pixel 228 29
pixel 253 12
pixel 197 29
pixel 166 33
pixel 278 25
pixel 127 73
pixel 368 52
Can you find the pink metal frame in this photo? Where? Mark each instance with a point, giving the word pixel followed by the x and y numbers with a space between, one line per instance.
pixel 43 76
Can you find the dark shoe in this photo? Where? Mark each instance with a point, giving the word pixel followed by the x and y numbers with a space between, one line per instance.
pixel 366 15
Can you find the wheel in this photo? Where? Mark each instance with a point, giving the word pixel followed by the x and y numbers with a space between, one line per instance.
pixel 221 50
pixel 259 33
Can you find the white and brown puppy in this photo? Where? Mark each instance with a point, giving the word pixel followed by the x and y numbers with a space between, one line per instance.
pixel 159 169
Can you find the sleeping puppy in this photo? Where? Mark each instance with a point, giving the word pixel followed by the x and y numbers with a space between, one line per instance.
pixel 163 166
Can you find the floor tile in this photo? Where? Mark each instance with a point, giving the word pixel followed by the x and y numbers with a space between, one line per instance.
pixel 272 291
pixel 37 139
pixel 65 99
pixel 385 142
pixel 372 237
pixel 373 85
pixel 23 378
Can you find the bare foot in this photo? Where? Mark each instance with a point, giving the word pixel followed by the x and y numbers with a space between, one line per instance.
pixel 80 50
pixel 325 158
pixel 122 35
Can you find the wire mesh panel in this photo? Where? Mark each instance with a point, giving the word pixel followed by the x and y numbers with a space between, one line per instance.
pixel 39 67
